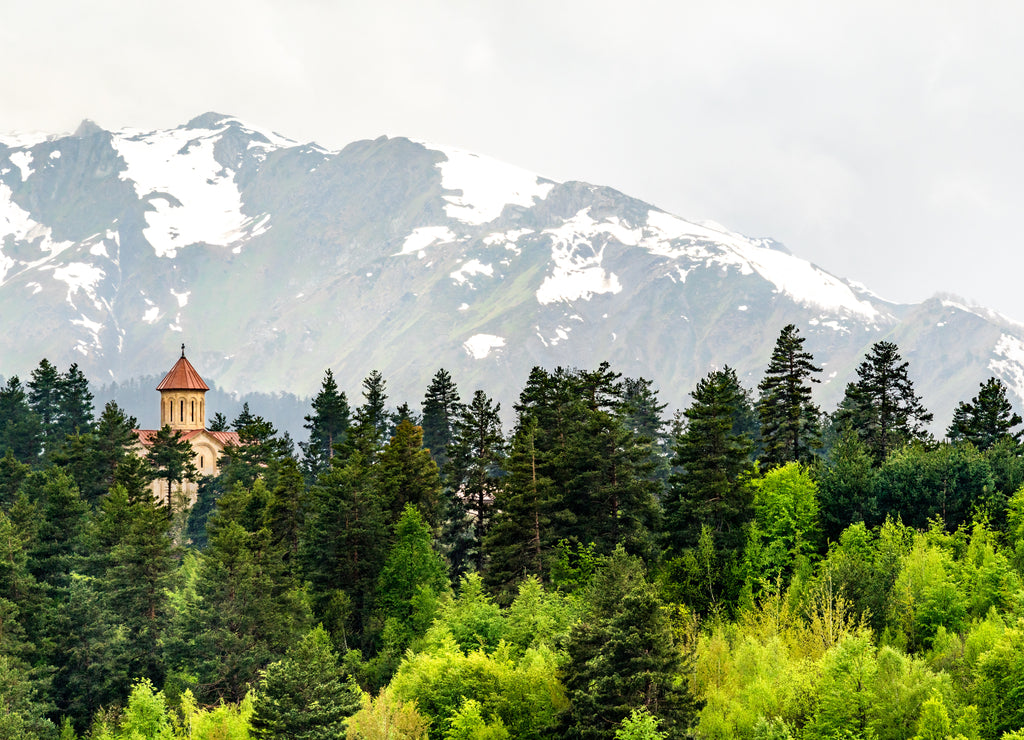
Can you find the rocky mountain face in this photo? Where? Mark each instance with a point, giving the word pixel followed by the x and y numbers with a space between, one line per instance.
pixel 273 260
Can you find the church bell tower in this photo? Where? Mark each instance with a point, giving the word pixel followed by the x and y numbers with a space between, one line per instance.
pixel 183 397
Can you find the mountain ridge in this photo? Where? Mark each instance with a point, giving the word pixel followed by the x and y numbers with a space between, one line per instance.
pixel 276 259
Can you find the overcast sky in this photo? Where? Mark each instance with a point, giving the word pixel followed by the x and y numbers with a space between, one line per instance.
pixel 881 140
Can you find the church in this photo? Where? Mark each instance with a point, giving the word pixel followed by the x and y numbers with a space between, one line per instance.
pixel 183 409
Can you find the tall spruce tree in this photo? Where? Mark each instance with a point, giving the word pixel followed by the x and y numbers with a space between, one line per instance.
pixel 304 695
pixel 473 475
pixel 520 541
pixel 881 405
pixel 327 426
pixel 405 473
pixel 44 395
pixel 623 655
pixel 75 402
pixel 790 422
pixel 241 608
pixel 711 460
pixel 21 431
pixel 171 458
pixel 986 419
pixel 441 408
pixel 342 547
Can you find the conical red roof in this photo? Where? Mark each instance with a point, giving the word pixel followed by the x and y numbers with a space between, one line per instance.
pixel 183 377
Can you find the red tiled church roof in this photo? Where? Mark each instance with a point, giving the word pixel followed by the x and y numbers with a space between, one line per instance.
pixel 225 438
pixel 182 377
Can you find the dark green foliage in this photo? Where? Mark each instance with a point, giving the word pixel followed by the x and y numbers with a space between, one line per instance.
pixel 519 543
pixel 790 422
pixel 21 431
pixel 171 458
pixel 643 415
pixel 327 427
pixel 987 419
pixel 712 462
pixel 286 510
pixel 12 475
pixel 242 609
pixel 59 543
pixel 219 423
pixel 406 474
pixel 917 484
pixel 474 471
pixel 93 458
pixel 44 397
pixel 210 489
pixel 22 710
pixel 441 409
pixel 370 423
pixel 87 649
pixel 138 561
pixel 75 402
pixel 343 545
pixel 881 405
pixel 257 453
pixel 846 485
pixel 622 655
pixel 304 696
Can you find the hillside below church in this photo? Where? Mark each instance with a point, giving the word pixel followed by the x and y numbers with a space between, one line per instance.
pixel 275 259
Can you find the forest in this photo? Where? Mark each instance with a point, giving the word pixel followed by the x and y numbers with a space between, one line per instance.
pixel 748 567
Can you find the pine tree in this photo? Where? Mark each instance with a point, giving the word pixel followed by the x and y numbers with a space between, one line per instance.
pixel 171 458
pixel 441 408
pixel 475 468
pixel 75 402
pixel 623 655
pixel 881 405
pixel 370 421
pixel 44 396
pixel 642 414
pixel 520 540
pixel 21 431
pixel 257 454
pixel 790 422
pixel 286 509
pixel 406 474
pixel 243 609
pixel 712 460
pixel 986 419
pixel 304 695
pixel 219 423
pixel 327 427
pixel 139 560
pixel 343 545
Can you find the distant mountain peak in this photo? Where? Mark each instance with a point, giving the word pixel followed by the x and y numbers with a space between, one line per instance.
pixel 282 259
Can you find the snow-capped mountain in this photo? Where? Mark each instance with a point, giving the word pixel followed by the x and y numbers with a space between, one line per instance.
pixel 274 260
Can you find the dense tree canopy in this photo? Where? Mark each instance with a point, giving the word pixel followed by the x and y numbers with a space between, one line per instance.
pixel 598 571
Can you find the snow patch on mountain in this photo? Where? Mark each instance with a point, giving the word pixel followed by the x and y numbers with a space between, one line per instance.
pixel 479 346
pixel 797 278
pixel 473 267
pixel 79 277
pixel 487 186
pixel 23 161
pixel 1008 362
pixel 194 199
pixel 577 272
pixel 421 238
pixel 17 223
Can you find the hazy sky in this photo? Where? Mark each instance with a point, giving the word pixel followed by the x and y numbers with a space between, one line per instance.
pixel 881 140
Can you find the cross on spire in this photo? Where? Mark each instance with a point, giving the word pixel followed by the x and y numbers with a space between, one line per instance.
pixel 182 349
